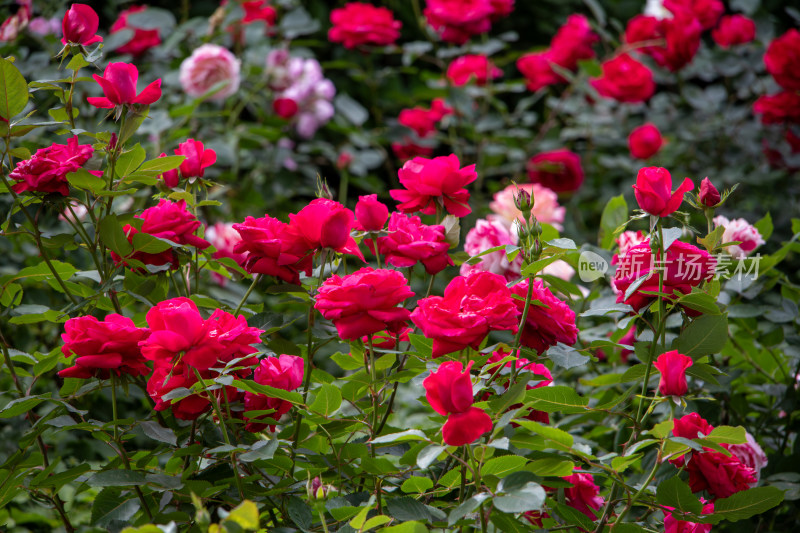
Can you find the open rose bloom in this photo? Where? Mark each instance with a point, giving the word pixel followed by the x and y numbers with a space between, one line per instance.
pixel 209 67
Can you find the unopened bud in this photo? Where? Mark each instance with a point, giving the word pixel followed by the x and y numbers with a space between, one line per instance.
pixel 112 142
pixel 523 201
pixel 534 227
pixel 322 189
pixel 316 490
pixel 709 195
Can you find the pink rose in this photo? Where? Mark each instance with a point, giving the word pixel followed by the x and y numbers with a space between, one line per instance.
pixel 142 39
pixel 545 207
pixel 750 454
pixel 46 171
pixel 584 495
pixel 284 372
pixel 449 391
pixel 434 182
pixel 489 234
pixel 224 238
pixel 371 214
pixel 653 191
pixel 259 11
pixel 358 23
pixel 626 80
pixel 685 266
pixel 672 366
pixel 209 65
pixel 739 230
pixel 103 347
pixel 80 25
pixel 781 59
pixel 645 141
pixel 626 241
pixel 119 87
pixel 733 30
pixel 458 20
pixel 472 67
pixel 573 42
pixel 364 302
pixel 198 158
pixel 410 241
pixel 271 249
pixel 783 107
pixel 559 170
pixel 707 12
pixel 325 223
pixel 673 525
pixel 471 307
pixel 546 324
pixel 537 71
pixel 422 120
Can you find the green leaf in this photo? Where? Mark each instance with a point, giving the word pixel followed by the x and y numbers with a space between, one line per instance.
pixel 144 242
pixel 260 450
pixel 249 385
pixel 156 431
pixel 405 527
pixel 82 179
pixel 700 301
pixel 675 493
pixel 351 109
pixel 113 236
pixel 554 434
pixel 662 429
pixel 428 455
pixel 129 161
pixel 346 361
pixel 406 508
pixel 671 235
pixel 706 334
pixel 327 401
pixel 77 62
pixel 556 399
pixel 615 213
pixel 116 478
pixel 22 405
pixel 551 467
pixel 245 515
pixel 416 484
pixel 13 90
pixel 300 513
pixel 727 435
pixel 748 503
pixel 376 521
pixel 564 244
pixel 566 356
pixel 574 517
pixel 514 395
pixel 765 227
pixel 109 505
pixel 411 434
pixel 529 497
pixel 162 164
pixel 504 465
pixel 467 507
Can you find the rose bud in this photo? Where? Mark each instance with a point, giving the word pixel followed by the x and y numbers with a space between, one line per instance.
pixel 371 214
pixel 672 366
pixel 653 191
pixel 709 195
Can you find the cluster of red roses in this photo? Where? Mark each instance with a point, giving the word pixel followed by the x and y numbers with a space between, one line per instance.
pixel 783 108
pixel 182 347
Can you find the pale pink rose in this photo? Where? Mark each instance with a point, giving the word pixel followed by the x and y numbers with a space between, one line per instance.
pixel 545 207
pixel 224 238
pixel 485 235
pixel 739 230
pixel 629 239
pixel 751 454
pixel 206 67
pixel 44 26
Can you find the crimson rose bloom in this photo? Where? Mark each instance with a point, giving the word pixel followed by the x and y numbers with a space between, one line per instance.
pixel 573 42
pixel 584 495
pixel 471 307
pixel 103 347
pixel 46 171
pixel 197 158
pixel 645 28
pixel 653 191
pixel 645 141
pixel 272 249
pixel 458 20
pixel 733 30
pixel 142 40
pixel 472 67
pixel 625 80
pixel 364 302
pixel 672 366
pixel 673 525
pixel 431 182
pixel 80 25
pixel 371 214
pixel 422 120
pixel 780 108
pixel 259 10
pixel 720 475
pixel 324 223
pixel 782 58
pixel 685 266
pixel 358 23
pixel 709 195
pixel 449 391
pixel 285 373
pixel 119 86
pixel 410 241
pixel 537 70
pixel 681 34
pixel 546 325
pixel 707 12
pixel 558 170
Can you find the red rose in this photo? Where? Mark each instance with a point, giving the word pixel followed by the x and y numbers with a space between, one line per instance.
pixel 324 223
pixel 408 149
pixel 119 87
pixel 707 12
pixel 197 158
pixel 673 525
pixel 691 426
pixel 272 249
pixel 645 141
pixel 371 214
pixel 625 80
pixel 778 108
pixel 643 28
pixel 46 171
pixel 782 58
pixel 546 325
pixel 672 366
pixel 166 378
pixel 584 495
pixel 449 391
pixel 423 121
pixel 458 20
pixel 471 307
pixel 475 67
pixel 537 70
pixel 358 23
pixel 558 170
pixel 171 178
pixel 142 39
pixel 434 182
pixel 685 266
pixel 733 30
pixel 364 302
pixel 653 191
pixel 410 241
pixel 709 195
pixel 573 42
pixel 285 373
pixel 103 347
pixel 543 379
pixel 680 34
pixel 259 10
pixel 80 25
